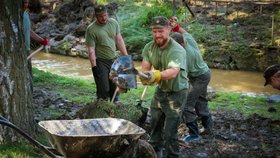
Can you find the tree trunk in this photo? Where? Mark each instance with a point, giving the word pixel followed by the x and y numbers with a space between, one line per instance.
pixel 15 92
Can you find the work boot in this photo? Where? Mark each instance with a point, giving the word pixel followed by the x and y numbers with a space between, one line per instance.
pixel 193 132
pixel 191 138
pixel 207 124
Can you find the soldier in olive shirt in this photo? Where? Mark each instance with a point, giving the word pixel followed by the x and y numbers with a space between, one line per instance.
pixel 169 61
pixel 102 37
pixel 199 77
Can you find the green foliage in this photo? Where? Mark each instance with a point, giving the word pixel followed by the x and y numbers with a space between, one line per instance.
pixel 104 2
pixel 277 17
pixel 134 95
pixel 17 150
pixel 241 50
pixel 135 19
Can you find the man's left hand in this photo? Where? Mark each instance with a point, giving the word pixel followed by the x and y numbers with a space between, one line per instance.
pixel 45 42
pixel 153 77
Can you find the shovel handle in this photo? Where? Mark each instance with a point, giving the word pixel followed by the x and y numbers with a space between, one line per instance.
pixel 36 51
pixel 144 92
pixel 141 74
pixel 6 122
pixel 115 94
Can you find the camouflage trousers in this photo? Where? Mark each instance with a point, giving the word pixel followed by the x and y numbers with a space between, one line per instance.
pixel 166 109
pixel 197 103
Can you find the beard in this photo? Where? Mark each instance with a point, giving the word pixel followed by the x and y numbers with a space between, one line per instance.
pixel 102 22
pixel 160 41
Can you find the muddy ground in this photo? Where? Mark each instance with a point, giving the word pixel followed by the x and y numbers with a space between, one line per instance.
pixel 233 135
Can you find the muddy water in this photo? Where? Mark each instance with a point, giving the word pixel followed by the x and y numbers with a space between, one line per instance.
pixel 241 81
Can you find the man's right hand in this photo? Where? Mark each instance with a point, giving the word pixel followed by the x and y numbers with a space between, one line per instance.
pixel 95 70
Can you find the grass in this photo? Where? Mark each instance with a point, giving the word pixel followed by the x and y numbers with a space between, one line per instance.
pixel 73 89
pixel 83 91
pixel 17 150
pixel 245 104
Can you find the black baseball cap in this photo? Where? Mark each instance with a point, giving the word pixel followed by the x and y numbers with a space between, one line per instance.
pixel 269 72
pixel 159 22
pixel 100 9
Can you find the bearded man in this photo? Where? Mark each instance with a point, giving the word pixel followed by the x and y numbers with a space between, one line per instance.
pixel 168 58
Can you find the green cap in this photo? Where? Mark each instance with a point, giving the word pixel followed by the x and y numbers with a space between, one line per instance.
pixel 159 22
pixel 100 9
pixel 269 72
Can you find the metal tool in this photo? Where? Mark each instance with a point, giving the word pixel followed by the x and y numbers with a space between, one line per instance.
pixel 36 51
pixel 47 49
pixel 123 72
pixel 144 110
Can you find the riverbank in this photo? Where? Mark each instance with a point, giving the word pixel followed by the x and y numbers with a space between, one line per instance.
pixel 246 82
pixel 243 126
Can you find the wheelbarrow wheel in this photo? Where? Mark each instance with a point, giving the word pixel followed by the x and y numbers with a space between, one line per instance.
pixel 139 149
pixel 145 150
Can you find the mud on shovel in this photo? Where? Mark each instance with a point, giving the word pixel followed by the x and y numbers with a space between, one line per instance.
pixel 124 74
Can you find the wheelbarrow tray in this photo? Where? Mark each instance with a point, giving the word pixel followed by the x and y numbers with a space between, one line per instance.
pixel 103 137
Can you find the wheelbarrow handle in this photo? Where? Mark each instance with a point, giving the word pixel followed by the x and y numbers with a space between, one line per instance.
pixel 6 122
pixel 3 118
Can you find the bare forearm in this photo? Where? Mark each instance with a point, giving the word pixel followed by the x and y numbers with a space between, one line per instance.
pixel 92 56
pixel 121 45
pixel 170 73
pixel 36 37
pixel 182 31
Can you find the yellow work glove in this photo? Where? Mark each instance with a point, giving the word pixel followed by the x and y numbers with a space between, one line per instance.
pixel 152 77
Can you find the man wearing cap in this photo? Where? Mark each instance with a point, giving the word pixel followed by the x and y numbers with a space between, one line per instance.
pixel 102 37
pixel 199 77
pixel 272 76
pixel 169 61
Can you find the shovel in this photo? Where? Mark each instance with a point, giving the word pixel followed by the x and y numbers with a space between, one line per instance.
pixel 144 110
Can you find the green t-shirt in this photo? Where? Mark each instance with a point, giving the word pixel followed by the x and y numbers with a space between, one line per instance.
pixel 196 65
pixel 102 37
pixel 173 55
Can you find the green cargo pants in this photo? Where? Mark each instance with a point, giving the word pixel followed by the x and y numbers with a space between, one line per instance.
pixel 165 118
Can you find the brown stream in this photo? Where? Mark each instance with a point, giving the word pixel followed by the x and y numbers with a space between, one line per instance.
pixel 241 81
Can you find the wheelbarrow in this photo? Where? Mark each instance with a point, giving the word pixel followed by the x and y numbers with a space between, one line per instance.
pixel 102 137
